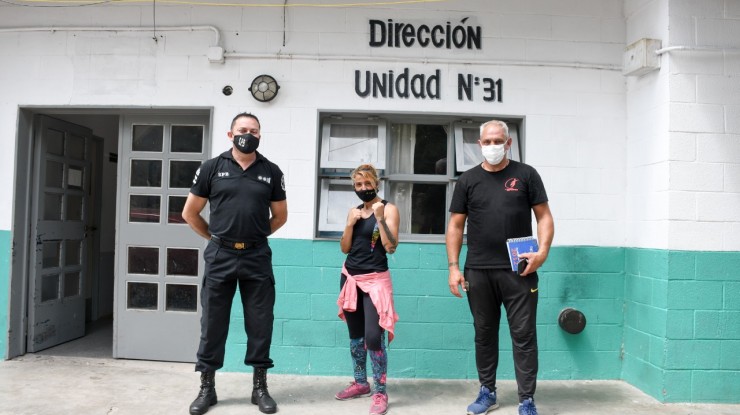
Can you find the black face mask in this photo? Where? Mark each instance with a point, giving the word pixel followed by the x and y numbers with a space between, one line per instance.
pixel 246 143
pixel 366 195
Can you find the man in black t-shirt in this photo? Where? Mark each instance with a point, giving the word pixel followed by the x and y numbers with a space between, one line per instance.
pixel 497 199
pixel 247 200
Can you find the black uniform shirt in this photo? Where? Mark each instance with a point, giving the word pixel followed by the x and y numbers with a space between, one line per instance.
pixel 240 199
pixel 499 207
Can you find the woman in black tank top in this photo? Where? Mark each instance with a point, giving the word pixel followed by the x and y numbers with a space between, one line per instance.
pixel 371 233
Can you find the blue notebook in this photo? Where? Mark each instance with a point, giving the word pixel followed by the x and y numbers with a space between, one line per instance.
pixel 516 246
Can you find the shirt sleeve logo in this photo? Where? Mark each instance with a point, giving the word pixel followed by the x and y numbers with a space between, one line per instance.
pixel 282 182
pixel 197 173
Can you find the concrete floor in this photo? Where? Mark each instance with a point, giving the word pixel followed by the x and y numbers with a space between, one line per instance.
pixel 80 378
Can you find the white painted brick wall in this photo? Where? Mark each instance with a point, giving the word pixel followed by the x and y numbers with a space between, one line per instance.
pixel 614 152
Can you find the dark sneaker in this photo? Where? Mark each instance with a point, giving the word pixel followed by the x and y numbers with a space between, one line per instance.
pixel 485 402
pixel 354 390
pixel 527 407
pixel 380 404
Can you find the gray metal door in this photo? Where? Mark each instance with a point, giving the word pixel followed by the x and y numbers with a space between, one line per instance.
pixel 158 256
pixel 61 188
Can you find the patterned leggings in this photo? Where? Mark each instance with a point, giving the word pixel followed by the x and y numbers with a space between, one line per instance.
pixel 367 337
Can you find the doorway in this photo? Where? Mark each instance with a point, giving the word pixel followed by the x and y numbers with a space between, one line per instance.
pixel 71 208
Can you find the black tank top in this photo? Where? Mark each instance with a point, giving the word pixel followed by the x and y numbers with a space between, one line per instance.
pixel 367 253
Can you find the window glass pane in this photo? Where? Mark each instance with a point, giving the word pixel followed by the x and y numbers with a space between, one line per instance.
pixel 74 207
pixel 55 142
pixel 51 254
pixel 71 284
pixel 187 139
pixel 471 149
pixel 49 287
pixel 182 297
pixel 174 211
pixel 341 198
pixel 353 142
pixel 142 296
pixel 144 208
pixel 74 178
pixel 146 173
pixel 421 205
pixel 148 138
pixel 182 262
pixel 72 252
pixel 143 260
pixel 418 149
pixel 76 147
pixel 52 206
pixel 54 174
pixel 182 173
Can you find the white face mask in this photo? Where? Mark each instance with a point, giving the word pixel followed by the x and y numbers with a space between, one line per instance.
pixel 494 153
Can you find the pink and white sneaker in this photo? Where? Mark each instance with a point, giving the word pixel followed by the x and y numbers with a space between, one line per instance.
pixel 380 404
pixel 354 390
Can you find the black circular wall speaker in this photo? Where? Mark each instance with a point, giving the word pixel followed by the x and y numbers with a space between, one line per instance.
pixel 572 320
pixel 264 88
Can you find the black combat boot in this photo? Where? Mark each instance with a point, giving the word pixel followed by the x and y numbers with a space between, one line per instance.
pixel 207 395
pixel 260 396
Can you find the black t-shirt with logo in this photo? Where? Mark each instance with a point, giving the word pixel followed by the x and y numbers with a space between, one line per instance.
pixel 498 207
pixel 239 199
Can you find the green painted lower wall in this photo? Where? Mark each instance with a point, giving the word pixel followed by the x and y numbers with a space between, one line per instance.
pixel 5 255
pixel 667 322
pixel 434 337
pixel 682 325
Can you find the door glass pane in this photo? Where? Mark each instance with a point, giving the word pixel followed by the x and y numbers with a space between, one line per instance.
pixel 54 174
pixel 51 254
pixel 187 139
pixel 52 206
pixel 72 252
pixel 353 142
pixel 182 173
pixel 142 296
pixel 74 207
pixel 148 138
pixel 423 204
pixel 418 149
pixel 143 260
pixel 71 284
pixel 76 147
pixel 146 173
pixel 144 208
pixel 55 142
pixel 182 261
pixel 74 178
pixel 182 297
pixel 174 211
pixel 49 287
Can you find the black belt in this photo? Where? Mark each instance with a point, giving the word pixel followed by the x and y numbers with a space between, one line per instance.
pixel 234 245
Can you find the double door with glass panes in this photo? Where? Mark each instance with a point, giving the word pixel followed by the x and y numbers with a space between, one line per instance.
pixel 158 257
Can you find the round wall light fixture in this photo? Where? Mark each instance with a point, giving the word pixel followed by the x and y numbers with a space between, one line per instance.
pixel 264 88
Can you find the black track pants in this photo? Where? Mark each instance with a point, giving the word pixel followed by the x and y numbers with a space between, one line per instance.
pixel 488 290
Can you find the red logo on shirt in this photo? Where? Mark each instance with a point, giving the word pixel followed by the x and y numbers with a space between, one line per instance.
pixel 511 185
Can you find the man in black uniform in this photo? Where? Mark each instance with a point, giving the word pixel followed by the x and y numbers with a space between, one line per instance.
pixel 247 197
pixel 497 198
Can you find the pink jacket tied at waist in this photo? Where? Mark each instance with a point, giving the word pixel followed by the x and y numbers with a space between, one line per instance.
pixel 380 289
